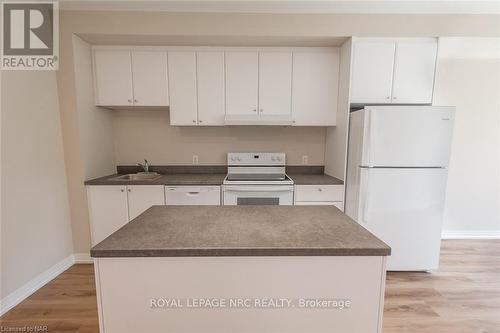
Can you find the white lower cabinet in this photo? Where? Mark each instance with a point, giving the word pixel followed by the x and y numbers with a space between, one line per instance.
pixel 338 204
pixel 108 210
pixel 113 206
pixel 319 195
pixel 141 197
pixel 192 195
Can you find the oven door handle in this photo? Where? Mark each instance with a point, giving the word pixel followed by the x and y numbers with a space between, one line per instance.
pixel 257 189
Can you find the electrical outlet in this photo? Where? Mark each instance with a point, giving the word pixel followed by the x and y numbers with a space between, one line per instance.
pixel 305 159
pixel 195 159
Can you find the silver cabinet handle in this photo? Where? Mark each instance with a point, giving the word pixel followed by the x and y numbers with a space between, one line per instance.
pixel 261 110
pixel 254 110
pixel 320 189
pixel 200 121
pixel 394 97
pixel 122 190
pixel 129 100
pixel 194 121
pixel 388 97
pixel 129 190
pixel 135 101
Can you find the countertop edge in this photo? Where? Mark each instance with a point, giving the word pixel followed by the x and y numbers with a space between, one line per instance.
pixel 234 252
pixel 311 179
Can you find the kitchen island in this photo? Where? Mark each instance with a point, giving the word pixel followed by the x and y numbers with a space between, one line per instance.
pixel 241 269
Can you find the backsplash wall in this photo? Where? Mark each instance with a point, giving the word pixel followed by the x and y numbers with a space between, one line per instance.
pixel 140 134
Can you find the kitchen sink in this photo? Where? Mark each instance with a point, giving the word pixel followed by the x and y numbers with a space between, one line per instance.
pixel 137 176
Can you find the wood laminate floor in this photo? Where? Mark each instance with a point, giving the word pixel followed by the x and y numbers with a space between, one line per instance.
pixel 462 297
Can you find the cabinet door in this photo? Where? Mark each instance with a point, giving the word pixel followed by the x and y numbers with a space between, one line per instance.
pixel 149 72
pixel 242 72
pixel 275 83
pixel 182 86
pixel 210 77
pixel 141 197
pixel 315 88
pixel 414 72
pixel 107 209
pixel 113 77
pixel 372 72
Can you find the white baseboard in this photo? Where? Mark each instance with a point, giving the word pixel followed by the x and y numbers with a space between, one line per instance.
pixel 470 234
pixel 83 258
pixel 19 295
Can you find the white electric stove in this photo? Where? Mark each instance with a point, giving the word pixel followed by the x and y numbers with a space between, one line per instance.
pixel 257 179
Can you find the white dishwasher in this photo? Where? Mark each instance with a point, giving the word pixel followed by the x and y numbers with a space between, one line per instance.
pixel 192 195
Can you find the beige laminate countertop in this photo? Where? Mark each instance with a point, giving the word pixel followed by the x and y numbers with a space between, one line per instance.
pixel 210 179
pixel 187 231
pixel 168 179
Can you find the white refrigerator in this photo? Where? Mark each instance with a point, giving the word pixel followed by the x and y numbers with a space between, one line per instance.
pixel 396 179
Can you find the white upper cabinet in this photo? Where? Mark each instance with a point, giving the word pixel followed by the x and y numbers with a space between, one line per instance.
pixel 315 88
pixel 130 78
pixel 398 71
pixel 414 72
pixel 113 77
pixel 242 75
pixel 182 86
pixel 149 73
pixel 372 67
pixel 275 83
pixel 210 77
pixel 224 86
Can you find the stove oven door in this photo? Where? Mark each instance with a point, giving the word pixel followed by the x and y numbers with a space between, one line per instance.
pixel 257 195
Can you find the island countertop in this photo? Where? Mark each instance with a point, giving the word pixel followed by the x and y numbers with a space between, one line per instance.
pixel 197 231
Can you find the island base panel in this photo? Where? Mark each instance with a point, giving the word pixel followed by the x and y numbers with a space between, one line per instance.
pixel 132 294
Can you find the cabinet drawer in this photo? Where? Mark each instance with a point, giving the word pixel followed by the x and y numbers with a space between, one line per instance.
pixel 192 195
pixel 319 193
pixel 338 204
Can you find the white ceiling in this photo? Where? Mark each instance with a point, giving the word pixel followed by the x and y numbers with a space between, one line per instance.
pixel 293 6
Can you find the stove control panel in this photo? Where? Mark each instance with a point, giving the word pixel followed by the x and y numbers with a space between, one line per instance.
pixel 257 159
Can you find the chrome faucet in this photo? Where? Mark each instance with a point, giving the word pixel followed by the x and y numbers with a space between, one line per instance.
pixel 144 166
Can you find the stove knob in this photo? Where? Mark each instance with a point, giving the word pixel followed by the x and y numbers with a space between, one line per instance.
pixel 278 158
pixel 238 159
pixel 233 158
pixel 273 158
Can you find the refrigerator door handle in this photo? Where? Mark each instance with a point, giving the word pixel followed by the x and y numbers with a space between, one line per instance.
pixel 370 136
pixel 366 191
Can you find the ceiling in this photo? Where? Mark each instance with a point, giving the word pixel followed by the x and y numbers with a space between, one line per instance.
pixel 292 6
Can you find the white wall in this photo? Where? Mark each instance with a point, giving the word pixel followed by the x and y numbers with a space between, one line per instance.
pixel 336 137
pixel 140 134
pixel 35 230
pixel 469 78
pixel 95 124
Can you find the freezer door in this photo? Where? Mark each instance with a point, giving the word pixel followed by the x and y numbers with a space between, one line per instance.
pixel 407 136
pixel 404 208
